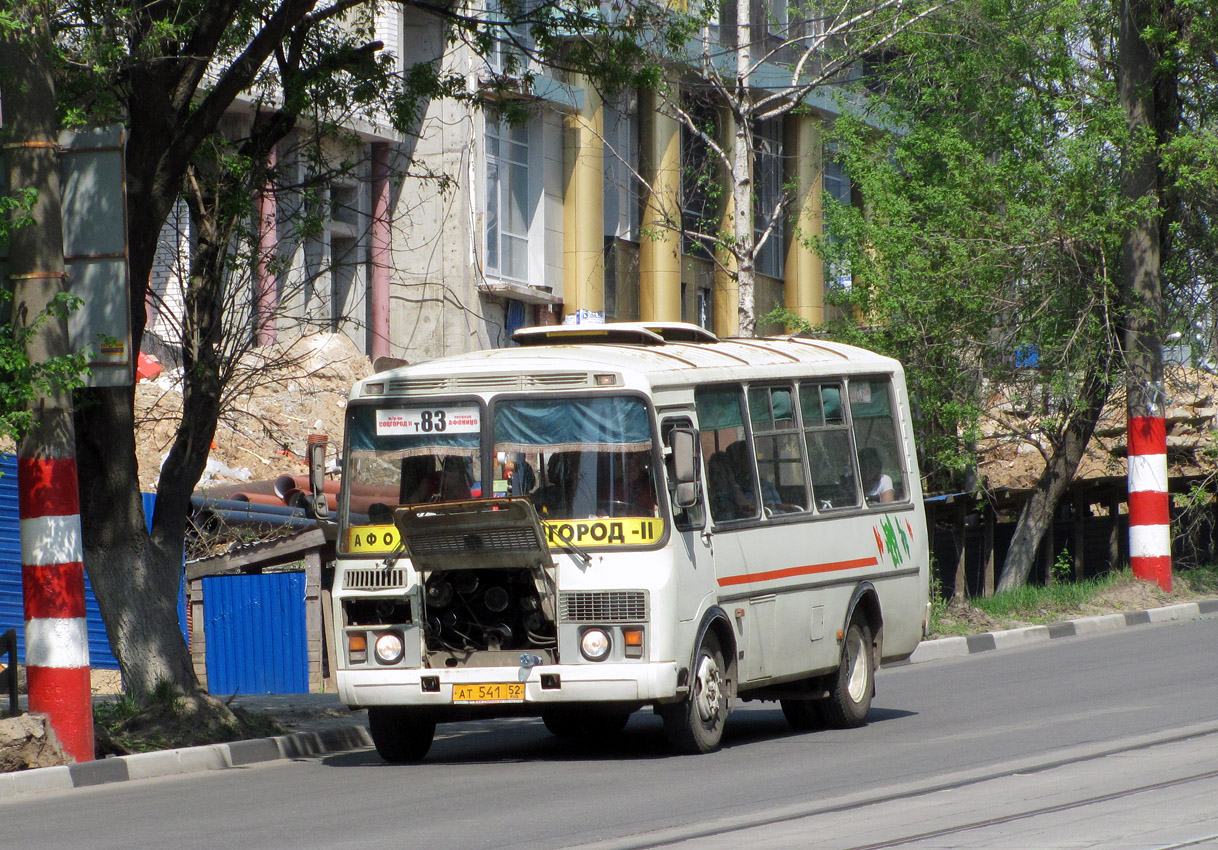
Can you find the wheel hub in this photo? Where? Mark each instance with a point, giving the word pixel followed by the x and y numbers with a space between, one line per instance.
pixel 709 692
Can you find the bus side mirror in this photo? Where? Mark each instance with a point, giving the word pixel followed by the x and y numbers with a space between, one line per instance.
pixel 317 479
pixel 684 443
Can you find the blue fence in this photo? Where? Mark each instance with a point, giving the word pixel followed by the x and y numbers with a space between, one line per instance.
pixel 255 634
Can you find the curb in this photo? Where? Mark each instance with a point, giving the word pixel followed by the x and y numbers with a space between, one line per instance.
pixel 955 647
pixel 306 744
pixel 183 760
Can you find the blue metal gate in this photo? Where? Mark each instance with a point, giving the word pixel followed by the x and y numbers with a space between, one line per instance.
pixel 254 630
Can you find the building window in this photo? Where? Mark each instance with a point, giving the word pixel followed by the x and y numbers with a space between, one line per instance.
pixel 776 17
pixel 705 315
pixel 837 189
pixel 621 152
pixel 701 182
pixel 508 214
pixel 513 41
pixel 768 198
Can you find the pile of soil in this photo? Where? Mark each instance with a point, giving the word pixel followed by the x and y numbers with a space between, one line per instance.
pixel 27 741
pixel 282 394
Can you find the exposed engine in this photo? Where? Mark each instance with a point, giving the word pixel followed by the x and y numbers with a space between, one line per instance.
pixel 471 610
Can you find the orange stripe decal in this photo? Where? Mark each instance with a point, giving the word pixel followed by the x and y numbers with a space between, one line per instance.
pixel 790 572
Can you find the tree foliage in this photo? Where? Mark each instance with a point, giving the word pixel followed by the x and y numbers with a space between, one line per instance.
pixel 982 251
pixel 985 251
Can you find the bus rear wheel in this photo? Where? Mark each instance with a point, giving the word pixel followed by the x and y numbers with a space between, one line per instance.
pixel 851 688
pixel 399 735
pixel 696 724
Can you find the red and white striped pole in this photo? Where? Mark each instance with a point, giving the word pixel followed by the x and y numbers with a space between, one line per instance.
pixel 1149 515
pixel 53 579
pixel 52 576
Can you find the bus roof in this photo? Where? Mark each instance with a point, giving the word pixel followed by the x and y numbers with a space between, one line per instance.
pixel 658 354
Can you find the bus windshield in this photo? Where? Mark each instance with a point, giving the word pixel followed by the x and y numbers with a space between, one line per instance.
pixel 407 454
pixel 574 458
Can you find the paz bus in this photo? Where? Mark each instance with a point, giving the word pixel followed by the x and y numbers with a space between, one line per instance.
pixel 608 518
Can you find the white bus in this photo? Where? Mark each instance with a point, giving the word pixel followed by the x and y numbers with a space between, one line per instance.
pixel 627 515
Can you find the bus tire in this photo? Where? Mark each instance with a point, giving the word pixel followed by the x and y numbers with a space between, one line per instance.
pixel 803 715
pixel 852 686
pixel 695 725
pixel 400 736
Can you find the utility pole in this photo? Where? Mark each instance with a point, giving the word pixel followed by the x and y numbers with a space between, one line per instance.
pixel 1149 508
pixel 52 571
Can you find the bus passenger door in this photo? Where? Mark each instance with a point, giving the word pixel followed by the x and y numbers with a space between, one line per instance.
pixel 695 570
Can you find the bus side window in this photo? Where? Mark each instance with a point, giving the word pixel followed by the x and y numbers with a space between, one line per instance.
pixel 731 484
pixel 830 459
pixel 686 519
pixel 876 439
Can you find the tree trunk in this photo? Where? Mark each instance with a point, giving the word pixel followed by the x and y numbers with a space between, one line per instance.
pixel 1140 249
pixel 742 175
pixel 136 582
pixel 1037 515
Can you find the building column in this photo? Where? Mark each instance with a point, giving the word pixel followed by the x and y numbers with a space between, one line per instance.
pixel 584 210
pixel 379 255
pixel 660 248
pixel 804 289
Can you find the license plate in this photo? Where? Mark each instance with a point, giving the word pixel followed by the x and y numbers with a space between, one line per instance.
pixel 489 692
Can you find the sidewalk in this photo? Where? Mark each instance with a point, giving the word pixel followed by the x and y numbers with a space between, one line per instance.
pixel 319 724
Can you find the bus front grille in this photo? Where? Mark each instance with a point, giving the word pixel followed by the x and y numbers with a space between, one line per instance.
pixel 377 578
pixel 609 606
pixel 454 542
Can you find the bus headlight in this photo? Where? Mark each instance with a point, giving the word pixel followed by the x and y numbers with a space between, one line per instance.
pixel 389 648
pixel 594 645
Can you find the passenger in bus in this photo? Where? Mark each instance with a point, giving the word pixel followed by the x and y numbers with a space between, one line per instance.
pixel 727 499
pixel 450 483
pixel 639 494
pixel 742 464
pixel 554 497
pixel 878 483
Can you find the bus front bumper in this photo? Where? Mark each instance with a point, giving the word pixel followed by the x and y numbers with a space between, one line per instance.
pixel 582 683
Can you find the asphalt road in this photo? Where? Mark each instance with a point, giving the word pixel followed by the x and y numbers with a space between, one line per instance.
pixel 1131 703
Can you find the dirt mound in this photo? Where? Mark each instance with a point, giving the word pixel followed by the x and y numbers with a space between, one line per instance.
pixel 27 741
pixel 279 395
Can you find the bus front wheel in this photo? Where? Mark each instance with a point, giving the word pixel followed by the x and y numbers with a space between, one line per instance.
pixel 851 688
pixel 400 736
pixel 696 724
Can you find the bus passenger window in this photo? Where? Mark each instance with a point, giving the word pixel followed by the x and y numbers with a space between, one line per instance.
pixel 827 438
pixel 875 434
pixel 731 483
pixel 780 464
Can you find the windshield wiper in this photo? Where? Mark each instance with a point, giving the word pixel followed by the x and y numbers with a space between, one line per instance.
pixel 393 557
pixel 575 550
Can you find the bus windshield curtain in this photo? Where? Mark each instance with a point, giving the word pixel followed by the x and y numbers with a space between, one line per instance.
pixel 573 424
pixel 361 425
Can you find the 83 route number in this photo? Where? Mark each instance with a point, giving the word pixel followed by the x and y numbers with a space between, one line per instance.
pixel 457 419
